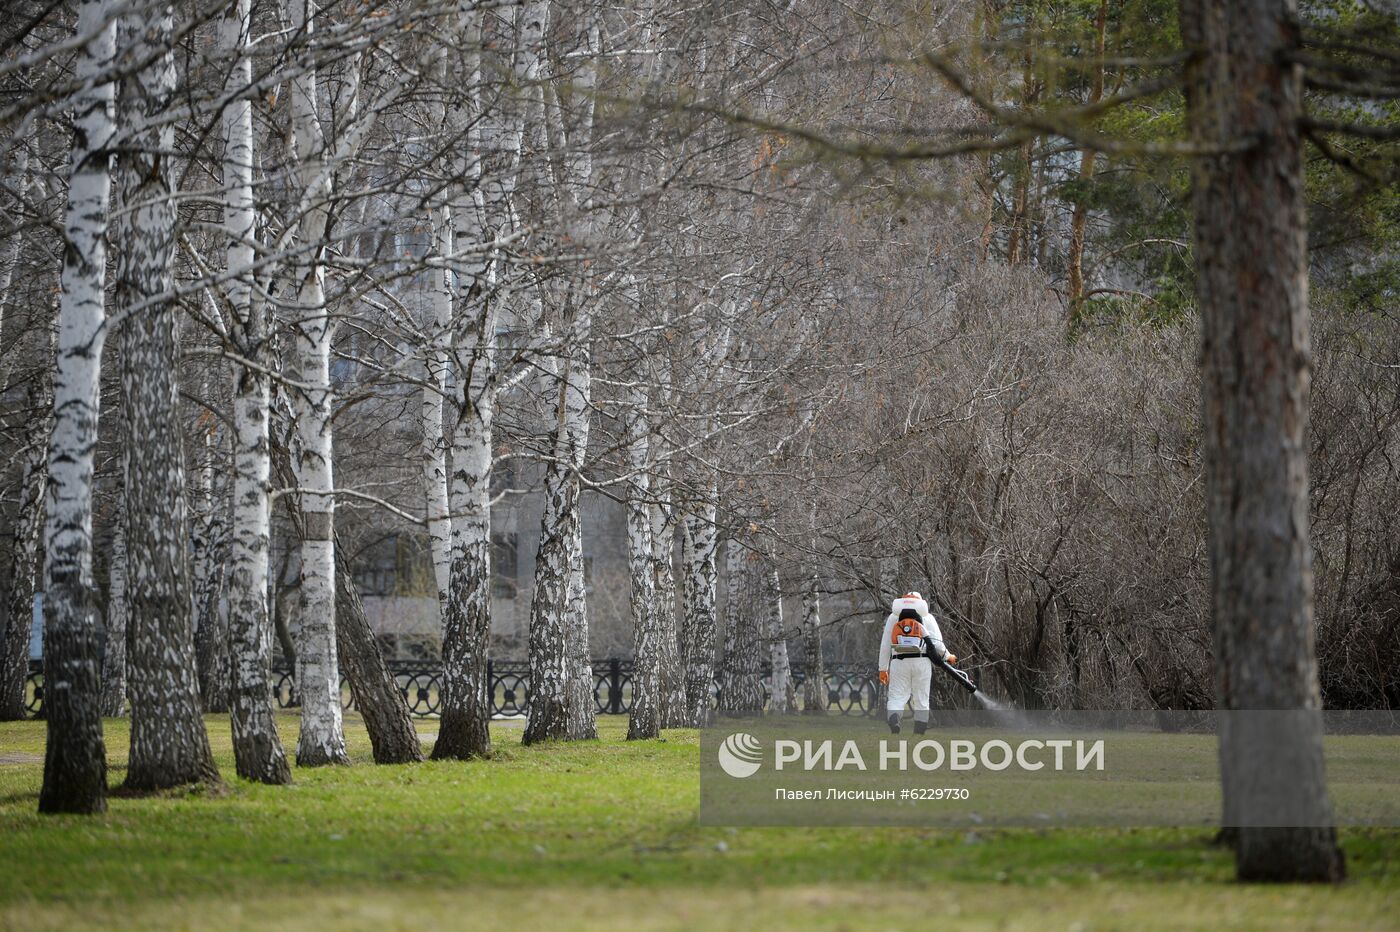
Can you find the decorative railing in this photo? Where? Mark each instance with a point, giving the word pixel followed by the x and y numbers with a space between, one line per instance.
pixel 849 690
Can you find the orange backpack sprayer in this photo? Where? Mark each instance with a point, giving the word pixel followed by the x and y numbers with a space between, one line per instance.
pixel 908 639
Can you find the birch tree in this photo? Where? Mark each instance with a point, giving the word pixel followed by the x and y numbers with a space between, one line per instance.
pixel 741 683
pixel 662 513
pixel 437 509
pixel 813 668
pixel 377 696
pixel 14 245
pixel 782 697
pixel 257 748
pixel 169 746
pixel 208 556
pixel 24 555
pixel 644 719
pixel 75 757
pixel 561 670
pixel 464 730
pixel 700 588
pixel 114 667
pixel 322 738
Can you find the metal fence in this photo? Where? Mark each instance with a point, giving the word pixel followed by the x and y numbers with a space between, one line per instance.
pixel 849 690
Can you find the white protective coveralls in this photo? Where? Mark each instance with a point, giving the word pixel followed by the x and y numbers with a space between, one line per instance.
pixel 910 677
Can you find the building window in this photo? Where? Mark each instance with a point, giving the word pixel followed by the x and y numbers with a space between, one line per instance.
pixel 377 568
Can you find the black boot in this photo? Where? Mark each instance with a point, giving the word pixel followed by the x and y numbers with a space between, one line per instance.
pixel 894 723
pixel 920 727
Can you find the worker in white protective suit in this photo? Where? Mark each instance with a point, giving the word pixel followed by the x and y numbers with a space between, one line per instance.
pixel 911 639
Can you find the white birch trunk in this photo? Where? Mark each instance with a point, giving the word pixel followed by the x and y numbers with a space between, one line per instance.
pixel 662 512
pixel 700 592
pixel 582 713
pixel 814 681
pixel 257 748
pixel 783 698
pixel 464 729
pixel 437 509
pixel 578 390
pixel 561 702
pixel 645 718
pixel 561 676
pixel 322 738
pixel 75 759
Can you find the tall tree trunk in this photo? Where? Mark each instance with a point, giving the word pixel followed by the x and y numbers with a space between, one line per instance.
pixel 1079 219
pixel 814 680
pixel 209 558
pixel 741 671
pixel 376 692
pixel 700 588
pixel 784 696
pixel 644 720
pixel 118 622
pixel 322 737
pixel 169 746
pixel 464 729
pixel 581 722
pixel 561 676
pixel 559 553
pixel 14 247
pixel 438 360
pixel 582 713
pixel 1244 102
pixel 75 758
pixel 257 748
pixel 671 673
pixel 24 556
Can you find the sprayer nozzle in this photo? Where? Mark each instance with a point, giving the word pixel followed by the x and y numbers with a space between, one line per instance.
pixel 958 675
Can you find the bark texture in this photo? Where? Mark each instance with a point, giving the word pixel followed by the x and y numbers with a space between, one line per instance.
pixel 322 737
pixel 436 507
pixel 741 672
pixel 1079 218
pixel 1244 101
pixel 257 748
pixel 464 729
pixel 814 681
pixel 169 746
pixel 782 696
pixel 644 720
pixel 700 591
pixel 209 546
pixel 118 623
pixel 24 556
pixel 671 673
pixel 75 758
pixel 554 632
pixel 376 692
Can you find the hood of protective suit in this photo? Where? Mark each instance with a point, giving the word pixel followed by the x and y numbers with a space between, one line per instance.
pixel 911 600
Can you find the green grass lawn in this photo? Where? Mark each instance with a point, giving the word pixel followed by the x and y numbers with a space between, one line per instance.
pixel 598 834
